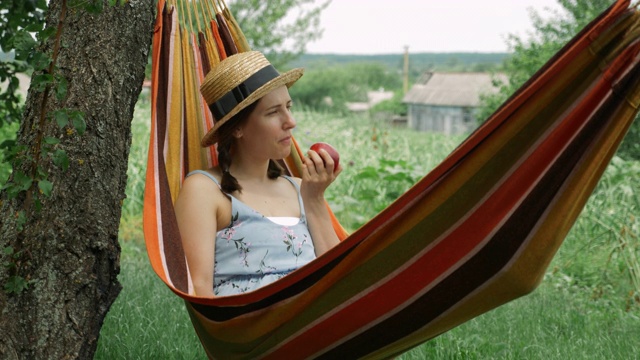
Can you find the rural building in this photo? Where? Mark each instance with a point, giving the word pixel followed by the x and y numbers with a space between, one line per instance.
pixel 446 102
pixel 373 98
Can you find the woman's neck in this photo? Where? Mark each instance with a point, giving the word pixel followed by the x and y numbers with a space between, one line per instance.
pixel 245 169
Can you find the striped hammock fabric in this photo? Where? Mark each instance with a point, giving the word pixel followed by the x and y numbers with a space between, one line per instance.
pixel 476 232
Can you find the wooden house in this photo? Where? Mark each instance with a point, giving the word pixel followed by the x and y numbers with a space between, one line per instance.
pixel 446 102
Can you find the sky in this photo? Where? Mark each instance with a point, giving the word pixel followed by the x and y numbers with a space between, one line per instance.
pixel 387 26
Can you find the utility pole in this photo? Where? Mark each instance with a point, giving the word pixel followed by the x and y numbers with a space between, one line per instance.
pixel 405 85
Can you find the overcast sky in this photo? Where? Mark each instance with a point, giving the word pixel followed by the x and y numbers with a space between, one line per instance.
pixel 387 26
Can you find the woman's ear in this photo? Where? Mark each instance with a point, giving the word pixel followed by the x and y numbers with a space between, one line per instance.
pixel 237 133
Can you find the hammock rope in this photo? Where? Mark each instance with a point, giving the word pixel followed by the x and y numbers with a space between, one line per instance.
pixel 476 232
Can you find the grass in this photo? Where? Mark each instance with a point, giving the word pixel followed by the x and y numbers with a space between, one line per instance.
pixel 551 323
pixel 147 321
pixel 131 219
pixel 587 307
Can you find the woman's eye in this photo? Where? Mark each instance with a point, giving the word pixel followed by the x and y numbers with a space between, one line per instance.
pixel 275 111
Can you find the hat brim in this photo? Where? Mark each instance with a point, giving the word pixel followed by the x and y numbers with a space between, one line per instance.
pixel 285 79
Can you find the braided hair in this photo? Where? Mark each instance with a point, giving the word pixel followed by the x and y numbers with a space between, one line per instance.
pixel 229 183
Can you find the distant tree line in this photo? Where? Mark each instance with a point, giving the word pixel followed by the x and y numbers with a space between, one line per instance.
pixel 331 81
pixel 418 62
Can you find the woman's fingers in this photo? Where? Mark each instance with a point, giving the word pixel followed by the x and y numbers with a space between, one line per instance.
pixel 321 161
pixel 317 174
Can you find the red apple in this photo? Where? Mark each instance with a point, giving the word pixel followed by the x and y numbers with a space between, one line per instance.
pixel 330 150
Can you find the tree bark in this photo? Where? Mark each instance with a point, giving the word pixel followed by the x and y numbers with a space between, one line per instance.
pixel 68 247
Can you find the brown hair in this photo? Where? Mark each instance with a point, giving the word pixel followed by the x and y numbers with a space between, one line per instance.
pixel 229 183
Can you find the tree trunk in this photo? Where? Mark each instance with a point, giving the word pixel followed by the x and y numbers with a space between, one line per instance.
pixel 65 245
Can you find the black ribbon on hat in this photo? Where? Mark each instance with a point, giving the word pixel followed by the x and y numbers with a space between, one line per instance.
pixel 236 95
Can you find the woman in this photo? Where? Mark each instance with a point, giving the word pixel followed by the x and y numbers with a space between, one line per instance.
pixel 243 225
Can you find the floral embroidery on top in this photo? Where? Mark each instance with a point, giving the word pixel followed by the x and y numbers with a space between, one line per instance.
pixel 263 267
pixel 290 240
pixel 242 246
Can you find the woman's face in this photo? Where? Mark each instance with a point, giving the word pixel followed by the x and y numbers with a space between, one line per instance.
pixel 267 132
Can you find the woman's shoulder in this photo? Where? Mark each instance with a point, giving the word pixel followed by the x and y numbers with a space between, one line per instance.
pixel 203 184
pixel 212 174
pixel 201 202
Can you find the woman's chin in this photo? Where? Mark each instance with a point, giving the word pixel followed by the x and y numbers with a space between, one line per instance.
pixel 283 155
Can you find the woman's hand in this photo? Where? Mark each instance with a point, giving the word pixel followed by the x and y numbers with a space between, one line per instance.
pixel 318 173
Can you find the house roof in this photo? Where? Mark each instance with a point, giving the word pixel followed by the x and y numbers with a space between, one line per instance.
pixel 374 97
pixel 452 89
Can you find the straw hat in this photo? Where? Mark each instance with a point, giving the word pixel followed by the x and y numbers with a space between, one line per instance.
pixel 238 81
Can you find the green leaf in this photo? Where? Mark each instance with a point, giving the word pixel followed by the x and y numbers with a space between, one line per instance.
pixel 77 120
pixel 40 173
pixel 22 181
pixel 61 88
pixel 62 119
pixel 23 41
pixel 8 251
pixel 40 61
pixel 46 33
pixel 37 203
pixel 8 144
pixel 51 140
pixel 60 159
pixel 368 172
pixel 34 27
pixel 45 186
pixel 22 219
pixel 394 177
pixel 94 6
pixel 15 284
pixel 41 81
pixel 368 193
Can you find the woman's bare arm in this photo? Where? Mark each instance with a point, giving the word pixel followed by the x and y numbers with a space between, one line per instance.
pixel 196 212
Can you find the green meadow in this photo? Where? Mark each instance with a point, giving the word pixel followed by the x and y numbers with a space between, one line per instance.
pixel 587 307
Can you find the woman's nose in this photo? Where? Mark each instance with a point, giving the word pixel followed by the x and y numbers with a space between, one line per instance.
pixel 289 122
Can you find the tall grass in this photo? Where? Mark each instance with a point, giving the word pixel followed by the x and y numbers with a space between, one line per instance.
pixel 147 321
pixel 131 219
pixel 588 305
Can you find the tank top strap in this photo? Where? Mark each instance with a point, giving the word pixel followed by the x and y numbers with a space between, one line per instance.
pixel 205 173
pixel 293 182
pixel 295 185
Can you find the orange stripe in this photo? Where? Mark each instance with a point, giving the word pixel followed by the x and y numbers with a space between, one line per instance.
pixel 216 35
pixel 150 225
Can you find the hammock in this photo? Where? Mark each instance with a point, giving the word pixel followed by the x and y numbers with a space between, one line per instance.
pixel 475 233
